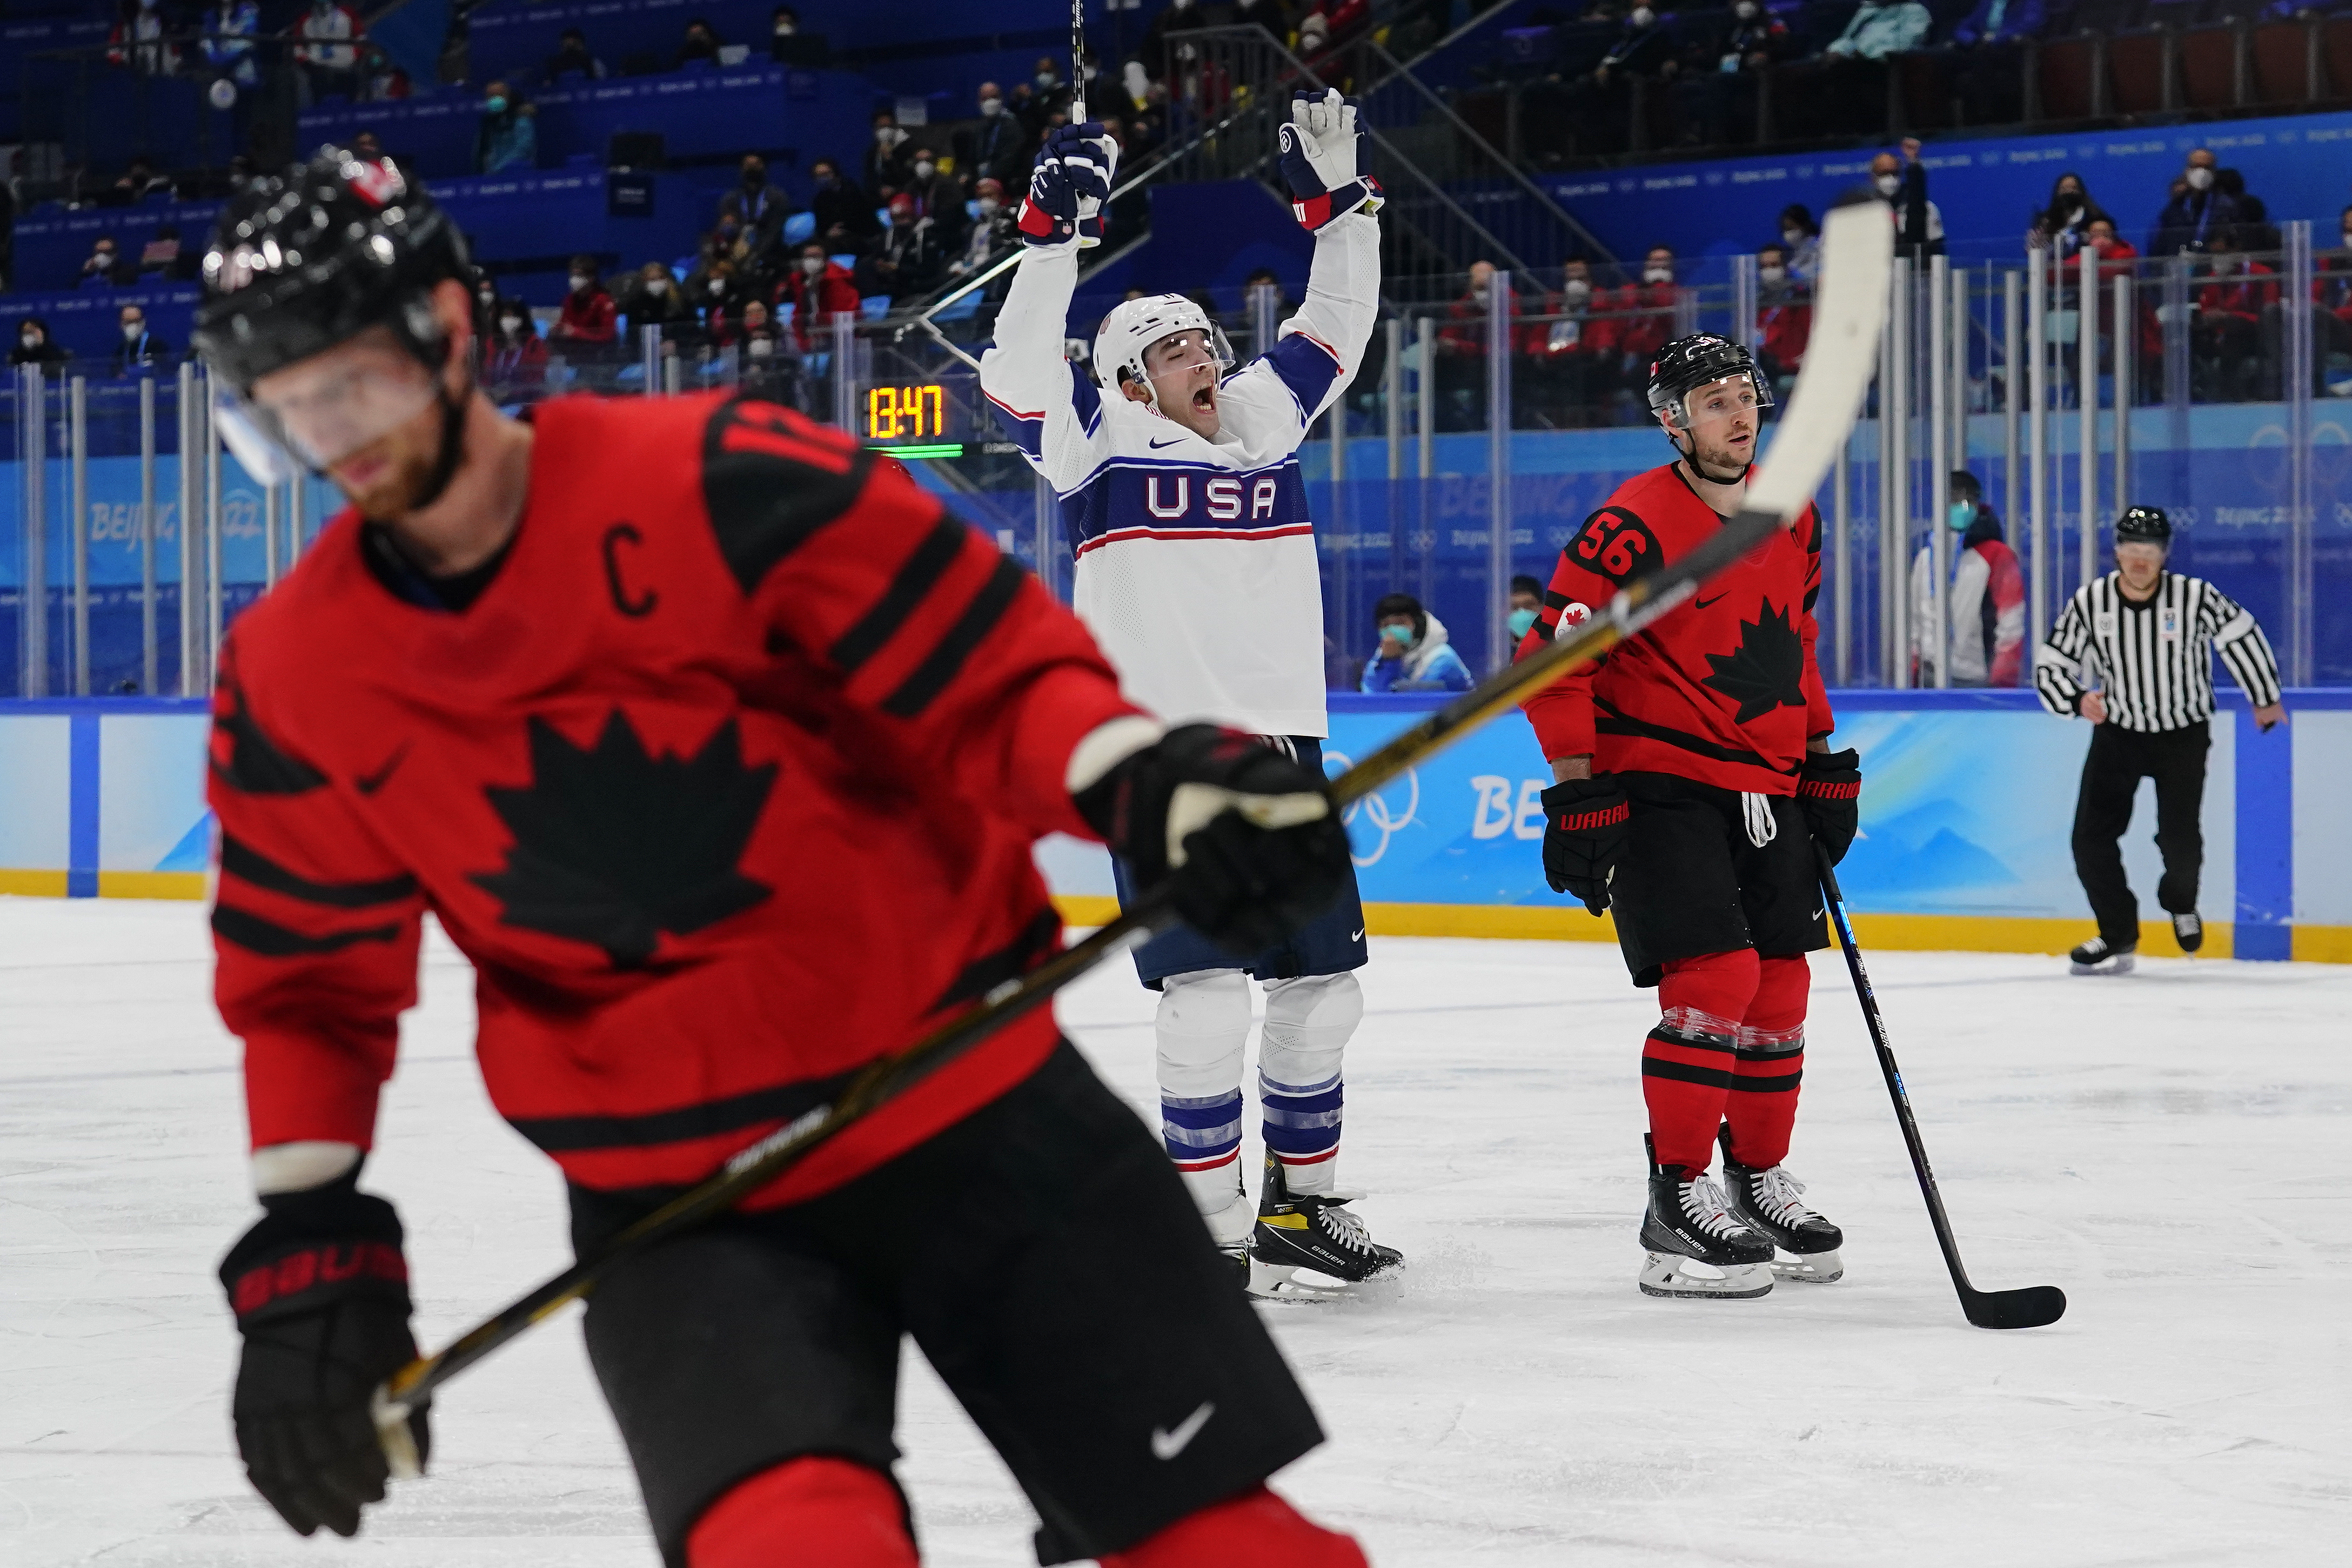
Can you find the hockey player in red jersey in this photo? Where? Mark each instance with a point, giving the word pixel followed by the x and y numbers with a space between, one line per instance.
pixel 1692 776
pixel 719 748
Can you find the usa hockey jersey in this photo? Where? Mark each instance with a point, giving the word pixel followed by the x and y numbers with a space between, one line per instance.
pixel 1196 566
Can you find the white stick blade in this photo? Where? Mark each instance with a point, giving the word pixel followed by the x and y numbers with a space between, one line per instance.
pixel 1849 312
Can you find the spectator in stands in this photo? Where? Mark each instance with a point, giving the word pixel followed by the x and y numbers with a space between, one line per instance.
pixel 939 199
pixel 762 348
pixel 1988 66
pixel 1882 29
pixel 844 213
pixel 1784 318
pixel 2230 309
pixel 2255 231
pixel 990 233
pixel 907 258
pixel 1156 52
pixel 326 58
pixel 998 147
pixel 103 266
pixel 2000 21
pixel 654 301
pixel 228 32
pixel 1902 185
pixel 1413 653
pixel 590 323
pixel 712 288
pixel 818 288
pixel 1648 308
pixel 34 346
pixel 161 254
pixel 1714 92
pixel 2062 227
pixel 138 40
pixel 886 162
pixel 509 136
pixel 571 57
pixel 514 360
pixel 700 44
pixel 2196 212
pixel 1564 347
pixel 136 348
pixel 1462 353
pixel 1802 236
pixel 1597 105
pixel 380 79
pixel 757 206
pixel 1984 604
pixel 1527 604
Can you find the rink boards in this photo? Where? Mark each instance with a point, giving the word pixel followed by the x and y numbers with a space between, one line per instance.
pixel 1965 822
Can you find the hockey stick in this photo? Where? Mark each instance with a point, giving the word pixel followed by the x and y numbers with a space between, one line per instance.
pixel 1857 248
pixel 2029 1308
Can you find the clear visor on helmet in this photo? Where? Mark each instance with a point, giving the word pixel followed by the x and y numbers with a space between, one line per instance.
pixel 320 411
pixel 1178 353
pixel 1743 393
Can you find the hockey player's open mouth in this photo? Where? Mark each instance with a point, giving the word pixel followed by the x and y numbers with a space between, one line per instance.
pixel 1205 399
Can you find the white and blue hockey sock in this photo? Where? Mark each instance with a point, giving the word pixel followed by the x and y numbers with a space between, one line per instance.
pixel 1307 1024
pixel 1203 1029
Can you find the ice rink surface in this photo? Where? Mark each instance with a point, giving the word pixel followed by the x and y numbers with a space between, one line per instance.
pixel 2170 1148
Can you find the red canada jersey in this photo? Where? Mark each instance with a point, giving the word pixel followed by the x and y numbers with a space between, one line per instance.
pixel 726 783
pixel 1724 689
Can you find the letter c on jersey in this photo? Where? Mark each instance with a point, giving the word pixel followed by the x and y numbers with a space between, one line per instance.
pixel 1183 503
pixel 637 608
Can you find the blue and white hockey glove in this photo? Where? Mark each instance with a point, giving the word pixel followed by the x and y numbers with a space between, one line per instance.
pixel 1069 185
pixel 1318 160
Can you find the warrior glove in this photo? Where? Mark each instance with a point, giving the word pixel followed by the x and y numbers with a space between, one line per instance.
pixel 1069 185
pixel 1318 160
pixel 1585 829
pixel 1244 838
pixel 1828 790
pixel 321 1290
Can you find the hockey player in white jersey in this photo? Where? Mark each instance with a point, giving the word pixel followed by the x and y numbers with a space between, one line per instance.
pixel 1196 570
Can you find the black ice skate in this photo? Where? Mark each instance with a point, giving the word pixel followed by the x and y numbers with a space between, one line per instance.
pixel 1766 1201
pixel 2097 957
pixel 1698 1247
pixel 1314 1232
pixel 2189 931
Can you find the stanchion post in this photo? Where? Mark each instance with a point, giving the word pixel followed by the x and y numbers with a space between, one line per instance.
pixel 2037 430
pixel 2086 361
pixel 1393 399
pixel 214 607
pixel 1841 565
pixel 1424 398
pixel 188 468
pixel 1898 553
pixel 78 528
pixel 1498 467
pixel 2300 581
pixel 1933 640
pixel 147 651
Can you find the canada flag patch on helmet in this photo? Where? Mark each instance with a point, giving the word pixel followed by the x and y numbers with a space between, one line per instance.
pixel 376 183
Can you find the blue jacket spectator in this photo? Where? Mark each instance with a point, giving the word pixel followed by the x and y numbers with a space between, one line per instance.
pixel 509 135
pixel 2001 22
pixel 1414 654
pixel 1879 30
pixel 226 32
pixel 2197 212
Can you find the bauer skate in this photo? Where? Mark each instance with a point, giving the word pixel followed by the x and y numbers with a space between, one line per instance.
pixel 1698 1247
pixel 1764 1200
pixel 1313 1232
pixel 2097 957
pixel 2189 931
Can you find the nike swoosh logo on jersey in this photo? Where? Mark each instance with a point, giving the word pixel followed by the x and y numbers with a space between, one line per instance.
pixel 1167 1445
pixel 1169 442
pixel 1703 603
pixel 368 784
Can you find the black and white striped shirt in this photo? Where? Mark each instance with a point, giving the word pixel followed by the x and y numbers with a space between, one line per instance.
pixel 2152 662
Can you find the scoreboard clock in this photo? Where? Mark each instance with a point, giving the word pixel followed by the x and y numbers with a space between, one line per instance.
pixel 910 421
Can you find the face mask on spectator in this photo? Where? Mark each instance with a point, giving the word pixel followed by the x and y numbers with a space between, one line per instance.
pixel 2347 240
pixel 105 255
pixel 990 206
pixel 759 347
pixel 885 134
pixel 580 281
pixel 494 104
pixel 1395 637
pixel 1888 184
pixel 924 168
pixel 811 265
pixel 31 340
pixel 130 330
pixel 1576 290
pixel 657 287
pixel 718 286
pixel 786 28
pixel 1793 236
pixel 1643 16
pixel 1771 274
pixel 1745 10
pixel 2200 178
pixel 510 325
pixel 1963 512
pixel 1045 79
pixel 1657 275
pixel 1519 620
pixel 991 106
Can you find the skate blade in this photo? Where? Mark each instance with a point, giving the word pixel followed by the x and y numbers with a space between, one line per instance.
pixel 2122 965
pixel 1280 1282
pixel 1809 1267
pixel 1687 1279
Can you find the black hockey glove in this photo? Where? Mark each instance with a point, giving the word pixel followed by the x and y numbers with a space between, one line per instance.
pixel 1585 827
pixel 1829 789
pixel 321 1290
pixel 1245 837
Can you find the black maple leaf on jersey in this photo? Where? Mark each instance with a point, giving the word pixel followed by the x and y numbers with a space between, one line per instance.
pixel 1767 670
pixel 614 847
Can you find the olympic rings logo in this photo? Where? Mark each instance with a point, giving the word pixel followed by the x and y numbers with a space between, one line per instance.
pixel 1375 809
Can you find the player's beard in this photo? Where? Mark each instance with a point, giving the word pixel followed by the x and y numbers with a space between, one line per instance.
pixel 1722 463
pixel 399 472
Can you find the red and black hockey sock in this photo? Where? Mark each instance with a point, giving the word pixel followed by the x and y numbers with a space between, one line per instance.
pixel 1256 1529
pixel 812 1510
pixel 1687 1063
pixel 1768 1064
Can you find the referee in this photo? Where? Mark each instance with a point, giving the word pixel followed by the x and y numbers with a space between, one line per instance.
pixel 2133 654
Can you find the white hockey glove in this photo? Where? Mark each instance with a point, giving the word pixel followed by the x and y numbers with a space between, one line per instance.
pixel 1318 160
pixel 1068 187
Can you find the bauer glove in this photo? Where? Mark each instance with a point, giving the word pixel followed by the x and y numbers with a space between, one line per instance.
pixel 1585 829
pixel 321 1292
pixel 1244 838
pixel 1828 790
pixel 1318 160
pixel 1068 187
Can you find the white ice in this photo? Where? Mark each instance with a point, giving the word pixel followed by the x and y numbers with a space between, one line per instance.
pixel 2171 1149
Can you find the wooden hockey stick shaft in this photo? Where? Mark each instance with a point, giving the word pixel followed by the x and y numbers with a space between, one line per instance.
pixel 1856 249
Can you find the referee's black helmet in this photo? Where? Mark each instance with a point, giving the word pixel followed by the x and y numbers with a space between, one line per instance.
pixel 2144 525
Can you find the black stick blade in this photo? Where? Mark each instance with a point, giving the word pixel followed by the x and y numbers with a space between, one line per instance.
pixel 2030 1308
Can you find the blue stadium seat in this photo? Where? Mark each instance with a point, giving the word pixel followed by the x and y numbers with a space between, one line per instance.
pixel 800 228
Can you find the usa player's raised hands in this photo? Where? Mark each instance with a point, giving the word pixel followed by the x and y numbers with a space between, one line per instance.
pixel 1068 185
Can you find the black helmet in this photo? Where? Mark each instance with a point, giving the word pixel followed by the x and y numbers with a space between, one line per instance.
pixel 1701 360
pixel 313 257
pixel 2144 525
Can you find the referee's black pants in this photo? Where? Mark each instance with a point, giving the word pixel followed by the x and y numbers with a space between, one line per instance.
pixel 2119 759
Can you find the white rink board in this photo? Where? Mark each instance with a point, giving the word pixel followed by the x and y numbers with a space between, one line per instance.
pixel 2168 1148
